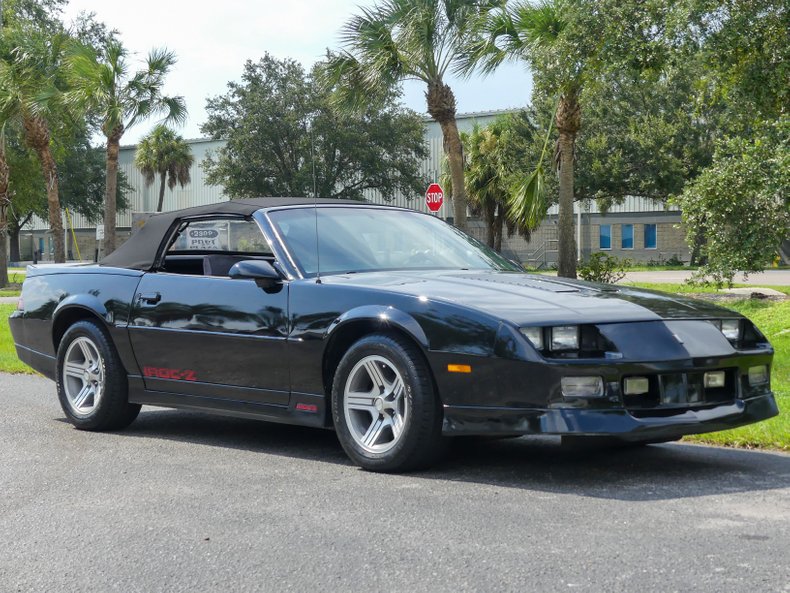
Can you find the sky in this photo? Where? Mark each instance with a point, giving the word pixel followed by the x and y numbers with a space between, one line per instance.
pixel 213 40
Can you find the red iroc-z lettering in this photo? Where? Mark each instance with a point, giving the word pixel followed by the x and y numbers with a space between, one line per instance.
pixel 177 374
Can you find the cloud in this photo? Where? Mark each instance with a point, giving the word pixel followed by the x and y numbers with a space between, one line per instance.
pixel 213 40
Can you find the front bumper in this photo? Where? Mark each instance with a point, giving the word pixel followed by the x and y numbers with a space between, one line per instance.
pixel 621 423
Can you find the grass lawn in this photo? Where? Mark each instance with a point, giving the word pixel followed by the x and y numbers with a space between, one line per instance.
pixel 772 317
pixel 15 277
pixel 9 363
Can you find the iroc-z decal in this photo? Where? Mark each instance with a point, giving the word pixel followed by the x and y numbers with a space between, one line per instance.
pixel 176 374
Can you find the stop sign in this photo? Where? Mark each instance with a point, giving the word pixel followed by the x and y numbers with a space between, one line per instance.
pixel 434 197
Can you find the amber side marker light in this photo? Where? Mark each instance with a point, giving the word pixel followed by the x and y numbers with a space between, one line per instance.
pixel 459 368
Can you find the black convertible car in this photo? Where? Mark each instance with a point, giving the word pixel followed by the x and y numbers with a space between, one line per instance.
pixel 388 325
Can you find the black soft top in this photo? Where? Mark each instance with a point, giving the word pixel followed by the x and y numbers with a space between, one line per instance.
pixel 139 252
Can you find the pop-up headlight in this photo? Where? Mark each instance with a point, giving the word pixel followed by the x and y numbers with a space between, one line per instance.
pixel 731 328
pixel 534 335
pixel 565 337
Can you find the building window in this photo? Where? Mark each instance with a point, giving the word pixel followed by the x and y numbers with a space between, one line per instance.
pixel 605 236
pixel 627 242
pixel 650 236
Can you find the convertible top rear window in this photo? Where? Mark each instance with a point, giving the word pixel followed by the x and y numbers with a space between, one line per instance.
pixel 373 239
pixel 223 235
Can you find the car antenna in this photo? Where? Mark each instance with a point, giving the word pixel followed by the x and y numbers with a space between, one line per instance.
pixel 315 204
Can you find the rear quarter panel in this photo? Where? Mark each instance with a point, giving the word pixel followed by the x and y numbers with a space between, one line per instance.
pixel 49 293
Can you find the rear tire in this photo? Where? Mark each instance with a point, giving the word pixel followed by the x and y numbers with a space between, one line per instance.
pixel 386 413
pixel 92 384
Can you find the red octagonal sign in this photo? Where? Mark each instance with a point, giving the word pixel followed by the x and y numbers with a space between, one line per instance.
pixel 434 197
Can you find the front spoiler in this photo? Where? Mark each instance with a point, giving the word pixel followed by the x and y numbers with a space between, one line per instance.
pixel 474 420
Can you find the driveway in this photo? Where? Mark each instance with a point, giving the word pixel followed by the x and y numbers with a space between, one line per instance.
pixel 767 278
pixel 189 502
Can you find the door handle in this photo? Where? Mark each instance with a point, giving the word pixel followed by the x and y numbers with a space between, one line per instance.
pixel 150 298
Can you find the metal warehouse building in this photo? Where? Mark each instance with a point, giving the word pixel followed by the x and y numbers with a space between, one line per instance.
pixel 639 229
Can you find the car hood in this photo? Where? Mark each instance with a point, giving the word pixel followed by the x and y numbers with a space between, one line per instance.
pixel 536 299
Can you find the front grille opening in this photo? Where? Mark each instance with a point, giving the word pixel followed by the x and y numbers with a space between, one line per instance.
pixel 651 399
pixel 682 390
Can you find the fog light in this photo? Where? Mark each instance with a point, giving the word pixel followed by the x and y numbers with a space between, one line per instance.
pixel 582 386
pixel 714 379
pixel 636 385
pixel 758 375
pixel 565 337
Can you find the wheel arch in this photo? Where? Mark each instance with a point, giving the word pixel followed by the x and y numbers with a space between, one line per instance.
pixel 73 309
pixel 357 323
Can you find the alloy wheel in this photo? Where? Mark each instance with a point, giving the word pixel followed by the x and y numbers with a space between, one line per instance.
pixel 375 404
pixel 83 376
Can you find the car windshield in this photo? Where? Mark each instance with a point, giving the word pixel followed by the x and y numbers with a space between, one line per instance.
pixel 360 239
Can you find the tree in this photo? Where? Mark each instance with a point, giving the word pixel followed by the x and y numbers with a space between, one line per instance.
pixel 542 34
pixel 31 86
pixel 5 204
pixel 81 174
pixel 497 157
pixel 644 134
pixel 285 137
pixel 407 40
pixel 741 203
pixel 164 153
pixel 101 81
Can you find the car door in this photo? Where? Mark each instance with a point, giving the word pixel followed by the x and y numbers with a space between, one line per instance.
pixel 197 332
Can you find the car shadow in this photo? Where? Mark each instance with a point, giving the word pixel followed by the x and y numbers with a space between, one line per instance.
pixel 540 464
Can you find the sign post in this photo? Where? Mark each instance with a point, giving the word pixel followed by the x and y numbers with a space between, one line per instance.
pixel 434 197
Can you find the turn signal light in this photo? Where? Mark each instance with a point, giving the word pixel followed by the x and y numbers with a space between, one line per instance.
pixel 459 368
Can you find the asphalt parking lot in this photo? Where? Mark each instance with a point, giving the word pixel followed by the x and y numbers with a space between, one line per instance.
pixel 190 502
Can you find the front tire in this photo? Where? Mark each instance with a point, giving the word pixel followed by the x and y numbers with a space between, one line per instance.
pixel 385 410
pixel 91 380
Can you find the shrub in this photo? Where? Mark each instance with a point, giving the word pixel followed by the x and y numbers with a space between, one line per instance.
pixel 604 268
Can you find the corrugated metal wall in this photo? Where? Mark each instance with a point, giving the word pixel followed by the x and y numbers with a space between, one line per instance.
pixel 144 199
pixel 198 192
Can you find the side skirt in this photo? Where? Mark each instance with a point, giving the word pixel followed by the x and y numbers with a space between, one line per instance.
pixel 304 409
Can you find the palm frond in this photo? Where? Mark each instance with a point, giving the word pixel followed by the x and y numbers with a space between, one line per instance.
pixel 527 204
pixel 493 39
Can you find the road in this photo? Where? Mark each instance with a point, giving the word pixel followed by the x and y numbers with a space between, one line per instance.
pixel 189 502
pixel 766 278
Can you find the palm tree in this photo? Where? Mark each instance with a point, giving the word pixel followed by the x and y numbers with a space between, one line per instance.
pixel 485 178
pixel 400 40
pixel 5 203
pixel 493 176
pixel 540 34
pixel 165 153
pixel 30 94
pixel 103 82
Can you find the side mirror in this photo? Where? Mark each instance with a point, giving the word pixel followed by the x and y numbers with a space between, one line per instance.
pixel 254 269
